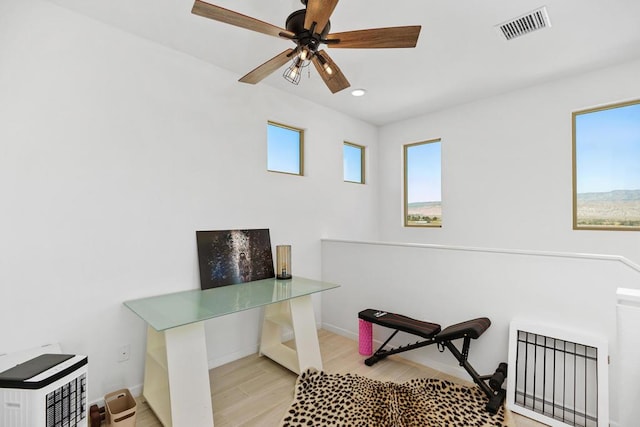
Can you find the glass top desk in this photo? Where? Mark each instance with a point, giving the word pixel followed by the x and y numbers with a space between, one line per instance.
pixel 176 379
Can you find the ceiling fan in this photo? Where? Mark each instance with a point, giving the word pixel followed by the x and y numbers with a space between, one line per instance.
pixel 309 29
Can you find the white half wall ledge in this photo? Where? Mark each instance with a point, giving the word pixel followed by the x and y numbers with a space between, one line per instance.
pixel 552 254
pixel 629 297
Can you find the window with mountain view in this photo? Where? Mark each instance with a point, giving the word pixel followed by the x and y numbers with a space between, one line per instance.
pixel 606 168
pixel 422 184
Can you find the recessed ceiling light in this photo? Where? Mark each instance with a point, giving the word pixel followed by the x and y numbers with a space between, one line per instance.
pixel 358 92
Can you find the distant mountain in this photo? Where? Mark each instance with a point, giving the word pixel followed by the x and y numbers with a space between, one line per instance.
pixel 610 196
pixel 424 204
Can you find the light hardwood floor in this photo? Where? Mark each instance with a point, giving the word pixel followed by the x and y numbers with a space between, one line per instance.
pixel 255 391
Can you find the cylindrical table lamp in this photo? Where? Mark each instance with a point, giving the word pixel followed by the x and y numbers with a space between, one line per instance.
pixel 283 262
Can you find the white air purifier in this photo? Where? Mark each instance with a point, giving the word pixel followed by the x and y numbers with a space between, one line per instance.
pixel 43 388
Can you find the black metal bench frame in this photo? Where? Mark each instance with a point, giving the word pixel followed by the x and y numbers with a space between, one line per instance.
pixel 432 333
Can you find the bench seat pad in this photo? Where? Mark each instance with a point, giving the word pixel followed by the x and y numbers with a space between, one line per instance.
pixel 400 322
pixel 471 328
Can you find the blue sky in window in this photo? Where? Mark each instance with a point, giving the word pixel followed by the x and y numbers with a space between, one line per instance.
pixel 608 150
pixel 352 163
pixel 283 149
pixel 424 173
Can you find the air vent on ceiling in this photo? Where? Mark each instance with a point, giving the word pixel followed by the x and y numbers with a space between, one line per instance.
pixel 532 21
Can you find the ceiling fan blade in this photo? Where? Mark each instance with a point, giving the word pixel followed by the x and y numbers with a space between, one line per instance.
pixel 227 16
pixel 335 80
pixel 262 71
pixel 319 11
pixel 392 37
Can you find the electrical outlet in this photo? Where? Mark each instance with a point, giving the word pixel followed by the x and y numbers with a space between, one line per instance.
pixel 123 353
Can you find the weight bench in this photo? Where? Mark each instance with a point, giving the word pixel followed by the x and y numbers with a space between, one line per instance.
pixel 431 333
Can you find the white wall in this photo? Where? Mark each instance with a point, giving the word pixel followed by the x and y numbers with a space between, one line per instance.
pixel 113 151
pixel 506 168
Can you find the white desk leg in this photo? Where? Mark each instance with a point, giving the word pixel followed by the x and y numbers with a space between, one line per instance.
pixel 306 335
pixel 188 372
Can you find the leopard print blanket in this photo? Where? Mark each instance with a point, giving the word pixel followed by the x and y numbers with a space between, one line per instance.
pixel 349 400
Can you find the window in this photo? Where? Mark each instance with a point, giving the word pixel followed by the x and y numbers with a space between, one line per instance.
pixel 606 168
pixel 422 184
pixel 284 149
pixel 353 159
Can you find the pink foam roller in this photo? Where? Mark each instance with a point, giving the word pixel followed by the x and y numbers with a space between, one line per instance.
pixel 365 335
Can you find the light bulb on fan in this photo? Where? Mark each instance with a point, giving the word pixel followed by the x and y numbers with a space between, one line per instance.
pixel 292 73
pixel 304 54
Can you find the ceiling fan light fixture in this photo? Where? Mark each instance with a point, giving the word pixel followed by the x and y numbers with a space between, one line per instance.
pixel 325 65
pixel 309 28
pixel 304 54
pixel 294 71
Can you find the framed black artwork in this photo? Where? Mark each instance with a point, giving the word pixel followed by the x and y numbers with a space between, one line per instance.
pixel 228 257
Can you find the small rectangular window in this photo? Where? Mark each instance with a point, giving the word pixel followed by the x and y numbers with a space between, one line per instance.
pixel 353 159
pixel 422 184
pixel 606 172
pixel 285 146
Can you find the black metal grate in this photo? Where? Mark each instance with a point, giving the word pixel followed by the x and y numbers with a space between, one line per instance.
pixel 557 378
pixel 66 406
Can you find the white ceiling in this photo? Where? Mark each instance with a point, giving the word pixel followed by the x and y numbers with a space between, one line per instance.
pixel 460 55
